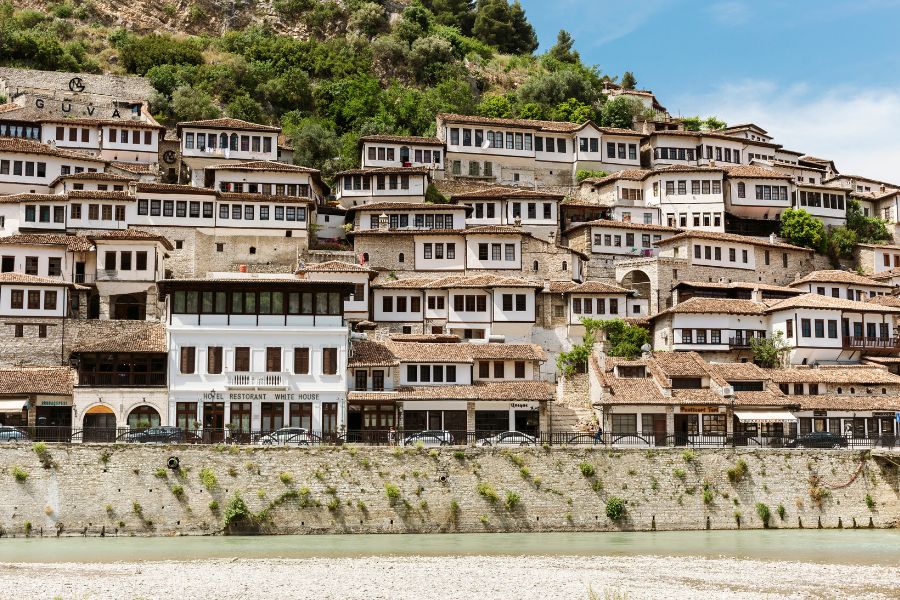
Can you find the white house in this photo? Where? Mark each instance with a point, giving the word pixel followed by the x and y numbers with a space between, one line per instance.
pixel 403 151
pixel 381 184
pixel 27 166
pixel 214 141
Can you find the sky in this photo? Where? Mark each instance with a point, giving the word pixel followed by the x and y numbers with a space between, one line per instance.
pixel 822 76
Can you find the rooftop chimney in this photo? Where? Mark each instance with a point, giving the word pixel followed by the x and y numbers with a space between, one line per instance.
pixel 242 269
pixel 383 222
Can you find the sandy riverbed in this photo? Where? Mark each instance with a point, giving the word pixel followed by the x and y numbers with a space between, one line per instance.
pixel 449 578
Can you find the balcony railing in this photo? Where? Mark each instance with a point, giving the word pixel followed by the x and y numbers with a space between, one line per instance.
pixel 272 381
pixel 739 342
pixel 91 379
pixel 871 343
pixel 85 278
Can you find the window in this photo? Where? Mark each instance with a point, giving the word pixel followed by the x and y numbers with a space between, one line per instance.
pixel 54 267
pixel 214 360
pixel 329 361
pixel 50 300
pixel 188 355
pixel 273 357
pixel 125 261
pixel 819 328
pixel 741 190
pixel 805 328
pixel 301 361
pixel 789 327
pixel 31 265
pixel 832 328
pixel 17 298
pixel 499 369
pixel 242 359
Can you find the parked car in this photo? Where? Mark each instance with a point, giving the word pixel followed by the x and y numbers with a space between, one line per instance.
pixel 819 439
pixel 509 438
pixel 429 438
pixel 11 435
pixel 288 436
pixel 158 435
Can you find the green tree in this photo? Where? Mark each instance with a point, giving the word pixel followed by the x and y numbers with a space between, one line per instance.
pixel 583 174
pixel 549 89
pixel 622 339
pixel 190 104
pixel 628 80
pixel 315 145
pixel 714 124
pixel 504 26
pixel 574 110
pixel 867 229
pixel 429 57
pixel 770 352
pixel 620 112
pixel 531 110
pixel 839 242
pixel 562 50
pixel 245 108
pixel 498 107
pixel 141 53
pixel 415 23
pixel 455 13
pixel 691 123
pixel 369 19
pixel 800 228
pixel 291 90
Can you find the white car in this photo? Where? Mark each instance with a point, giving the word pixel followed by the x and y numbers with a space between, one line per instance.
pixel 288 436
pixel 429 438
pixel 509 438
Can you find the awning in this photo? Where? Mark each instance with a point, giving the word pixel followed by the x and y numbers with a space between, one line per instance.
pixel 99 409
pixel 11 406
pixel 763 416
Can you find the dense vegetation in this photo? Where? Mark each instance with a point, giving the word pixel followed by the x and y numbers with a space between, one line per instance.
pixel 354 72
pixel 800 228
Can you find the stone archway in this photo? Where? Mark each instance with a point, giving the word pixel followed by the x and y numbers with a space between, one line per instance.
pixel 143 416
pixel 99 424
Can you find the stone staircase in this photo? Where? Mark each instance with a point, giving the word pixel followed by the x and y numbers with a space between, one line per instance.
pixel 572 409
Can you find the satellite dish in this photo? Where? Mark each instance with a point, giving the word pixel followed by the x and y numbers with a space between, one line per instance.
pixel 485 144
pixel 646 348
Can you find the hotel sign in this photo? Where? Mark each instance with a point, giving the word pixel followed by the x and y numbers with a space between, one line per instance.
pixel 264 397
pixel 698 409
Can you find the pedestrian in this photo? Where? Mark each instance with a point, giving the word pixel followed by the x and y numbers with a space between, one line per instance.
pixel 392 436
pixel 598 436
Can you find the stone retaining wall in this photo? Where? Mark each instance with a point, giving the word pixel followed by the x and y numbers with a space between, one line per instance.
pixel 118 490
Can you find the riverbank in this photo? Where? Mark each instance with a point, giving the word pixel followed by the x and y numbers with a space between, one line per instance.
pixel 449 578
pixel 130 490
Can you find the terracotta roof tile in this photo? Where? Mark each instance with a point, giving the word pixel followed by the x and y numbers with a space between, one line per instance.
pixel 139 337
pixel 838 276
pixel 385 171
pixel 263 165
pixel 506 193
pixel 849 374
pixel 724 306
pixel 133 235
pixel 24 146
pixel 622 225
pixel 849 403
pixel 37 380
pixel 173 188
pixel 136 168
pixel 827 302
pixel 333 266
pixel 12 277
pixel 505 390
pixel 407 206
pixel 458 281
pixel 730 237
pixel 73 243
pixel 371 354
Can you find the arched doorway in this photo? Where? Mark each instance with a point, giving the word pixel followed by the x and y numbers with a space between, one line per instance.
pixel 129 307
pixel 143 417
pixel 99 424
pixel 639 282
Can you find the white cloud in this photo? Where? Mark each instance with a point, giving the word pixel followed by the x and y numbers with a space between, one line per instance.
pixel 858 128
pixel 729 13
pixel 618 19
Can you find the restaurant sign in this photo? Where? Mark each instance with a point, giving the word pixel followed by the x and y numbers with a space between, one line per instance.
pixel 698 409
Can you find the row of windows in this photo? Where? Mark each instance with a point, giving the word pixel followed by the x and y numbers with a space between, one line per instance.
pixel 99 212
pixel 194 209
pixel 618 150
pixel 615 240
pixel 851 294
pixel 25 168
pixel 704 186
pixel 714 336
pixel 73 134
pixel 469 303
pixel 271 415
pixel 43 213
pixel 816 328
pixel 242 362
pixel 261 303
pixel 280 189
pixel 505 252
pixel 590 144
pixel 179 208
pixel 123 136
pixel 19 330
pixel 666 153
pixel 420 221
pixel 68 170
pixel 514 302
pixel 631 194
pixel 247 212
pixel 474 168
pixel 531 210
pixel 887 259
pixel 819 199
pixel 54 265
pixel 586 306
pixel 401 303
pixel 421 156
pixel 382 182
pixel 431 373
pixel 765 192
pixel 648 217
pixel 707 219
pixel 248 143
pixel 17 299
pixel 715 253
pixel 20 131
pixel 125 260
pixel 484 369
pixel 438 253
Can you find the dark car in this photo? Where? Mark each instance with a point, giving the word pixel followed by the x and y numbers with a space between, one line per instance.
pixel 819 439
pixel 11 435
pixel 157 435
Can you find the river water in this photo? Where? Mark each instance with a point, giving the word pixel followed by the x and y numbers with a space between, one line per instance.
pixel 701 564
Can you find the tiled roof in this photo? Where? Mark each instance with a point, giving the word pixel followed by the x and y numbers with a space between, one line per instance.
pixel 737 371
pixel 723 306
pixel 885 300
pixel 263 165
pixel 91 176
pixel 849 403
pixel 25 197
pixel 642 174
pixel 622 225
pixel 550 126
pixel 73 243
pixel 31 279
pixel 37 380
pixel 136 168
pixel 402 139
pixel 132 235
pixel 680 364
pixel 738 285
pixel 407 206
pixel 173 188
pixel 371 354
pixel 100 195
pixel 444 338
pixel 123 123
pixel 333 266
pixel 458 281
pixel 588 287
pixel 506 193
pixel 227 123
pixel 23 146
pixel 850 374
pixel 730 237
pixel 138 337
pixel 501 390
pixel 880 246
pixel 838 276
pixel 253 197
pixel 507 352
pixel 753 171
pixel 827 302
pixel 462 352
pixel 385 171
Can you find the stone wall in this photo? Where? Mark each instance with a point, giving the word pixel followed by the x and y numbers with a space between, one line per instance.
pixel 97 489
pixel 31 349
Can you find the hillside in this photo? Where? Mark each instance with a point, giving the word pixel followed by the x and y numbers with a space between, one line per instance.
pixel 327 72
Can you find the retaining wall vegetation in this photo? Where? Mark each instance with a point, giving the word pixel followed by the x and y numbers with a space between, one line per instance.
pixel 129 490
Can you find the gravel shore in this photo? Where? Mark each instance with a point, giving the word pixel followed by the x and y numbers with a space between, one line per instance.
pixel 449 578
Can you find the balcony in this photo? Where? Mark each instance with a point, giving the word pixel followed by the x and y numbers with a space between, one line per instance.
pixel 739 342
pixel 257 381
pixel 86 278
pixel 101 379
pixel 872 345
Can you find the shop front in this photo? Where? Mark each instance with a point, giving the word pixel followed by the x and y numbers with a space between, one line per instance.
pixel 494 416
pixel 369 421
pixel 873 424
pixel 52 418
pixel 762 427
pixel 701 424
pixel 449 415
pixel 13 412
